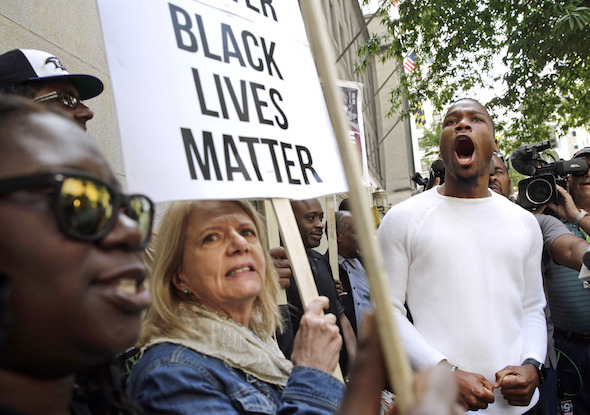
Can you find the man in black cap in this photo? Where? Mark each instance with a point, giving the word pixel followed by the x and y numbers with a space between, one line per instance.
pixel 569 299
pixel 42 77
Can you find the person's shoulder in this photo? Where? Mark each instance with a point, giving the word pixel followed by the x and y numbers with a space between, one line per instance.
pixel 509 205
pixel 419 198
pixel 169 371
pixel 413 203
pixel 552 225
pixel 415 206
pixel 315 254
pixel 543 218
pixel 175 359
pixel 163 354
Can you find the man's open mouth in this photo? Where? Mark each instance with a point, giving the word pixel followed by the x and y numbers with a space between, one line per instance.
pixel 464 148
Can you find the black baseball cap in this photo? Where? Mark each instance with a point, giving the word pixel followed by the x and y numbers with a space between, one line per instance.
pixel 23 65
pixel 582 153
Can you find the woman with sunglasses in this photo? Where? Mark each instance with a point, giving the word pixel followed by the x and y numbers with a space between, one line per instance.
pixel 70 246
pixel 207 340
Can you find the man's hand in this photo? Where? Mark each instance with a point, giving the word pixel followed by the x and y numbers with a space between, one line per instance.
pixel 282 265
pixel 517 383
pixel 475 391
pixel 566 209
pixel 339 288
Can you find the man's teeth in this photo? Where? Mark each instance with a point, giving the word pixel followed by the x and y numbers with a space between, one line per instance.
pixel 237 271
pixel 127 286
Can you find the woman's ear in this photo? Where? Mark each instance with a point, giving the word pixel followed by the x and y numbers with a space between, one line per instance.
pixel 179 283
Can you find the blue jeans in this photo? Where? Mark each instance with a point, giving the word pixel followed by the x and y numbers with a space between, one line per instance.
pixel 573 372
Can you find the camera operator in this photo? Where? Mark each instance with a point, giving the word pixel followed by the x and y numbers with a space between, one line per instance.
pixel 569 300
pixel 436 177
pixel 560 246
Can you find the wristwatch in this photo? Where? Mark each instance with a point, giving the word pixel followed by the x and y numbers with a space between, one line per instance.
pixel 540 368
pixel 579 218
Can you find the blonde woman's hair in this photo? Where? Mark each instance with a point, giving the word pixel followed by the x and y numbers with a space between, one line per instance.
pixel 162 318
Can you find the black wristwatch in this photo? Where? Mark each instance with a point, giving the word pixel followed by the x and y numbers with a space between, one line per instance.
pixel 540 368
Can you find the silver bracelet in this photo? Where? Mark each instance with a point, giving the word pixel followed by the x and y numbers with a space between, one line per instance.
pixel 579 218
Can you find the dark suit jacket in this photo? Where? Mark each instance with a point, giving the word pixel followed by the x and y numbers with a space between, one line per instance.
pixel 322 275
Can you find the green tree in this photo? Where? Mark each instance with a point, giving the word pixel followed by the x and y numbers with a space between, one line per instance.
pixel 543 44
pixel 430 141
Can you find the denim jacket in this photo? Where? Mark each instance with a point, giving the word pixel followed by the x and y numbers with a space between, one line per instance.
pixel 172 379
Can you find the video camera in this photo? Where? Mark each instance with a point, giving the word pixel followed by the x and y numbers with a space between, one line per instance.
pixel 541 188
pixel 436 170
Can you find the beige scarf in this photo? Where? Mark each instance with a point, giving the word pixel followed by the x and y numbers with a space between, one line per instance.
pixel 219 336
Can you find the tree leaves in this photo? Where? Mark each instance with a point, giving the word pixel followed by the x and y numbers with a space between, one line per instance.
pixel 544 44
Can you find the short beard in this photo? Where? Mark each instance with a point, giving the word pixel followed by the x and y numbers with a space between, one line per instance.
pixel 470 182
pixel 467 182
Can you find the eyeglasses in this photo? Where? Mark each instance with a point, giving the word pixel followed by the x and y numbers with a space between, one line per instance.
pixel 65 97
pixel 86 207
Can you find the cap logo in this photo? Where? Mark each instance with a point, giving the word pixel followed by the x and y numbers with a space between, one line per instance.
pixel 56 62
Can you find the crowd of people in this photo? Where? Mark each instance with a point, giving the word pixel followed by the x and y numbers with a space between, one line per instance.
pixel 486 295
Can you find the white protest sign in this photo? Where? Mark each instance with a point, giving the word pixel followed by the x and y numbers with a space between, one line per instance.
pixel 219 99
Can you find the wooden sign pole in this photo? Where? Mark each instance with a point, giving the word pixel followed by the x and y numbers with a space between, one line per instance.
pixel 400 374
pixel 272 234
pixel 332 242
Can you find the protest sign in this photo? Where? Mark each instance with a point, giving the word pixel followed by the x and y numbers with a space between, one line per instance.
pixel 352 94
pixel 218 99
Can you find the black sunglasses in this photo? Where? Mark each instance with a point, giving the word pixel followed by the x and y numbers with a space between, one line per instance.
pixel 87 208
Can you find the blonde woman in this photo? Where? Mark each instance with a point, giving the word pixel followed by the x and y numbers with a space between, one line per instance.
pixel 207 340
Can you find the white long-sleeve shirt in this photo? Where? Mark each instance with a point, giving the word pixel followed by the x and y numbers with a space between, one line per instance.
pixel 470 272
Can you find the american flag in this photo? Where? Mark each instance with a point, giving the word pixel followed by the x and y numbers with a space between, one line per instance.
pixel 409 63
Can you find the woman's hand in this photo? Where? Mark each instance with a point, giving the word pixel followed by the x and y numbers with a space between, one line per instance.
pixel 318 341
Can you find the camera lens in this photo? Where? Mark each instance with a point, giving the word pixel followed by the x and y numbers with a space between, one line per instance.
pixel 539 191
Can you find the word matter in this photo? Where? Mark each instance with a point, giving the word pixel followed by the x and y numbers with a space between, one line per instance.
pixel 243 157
